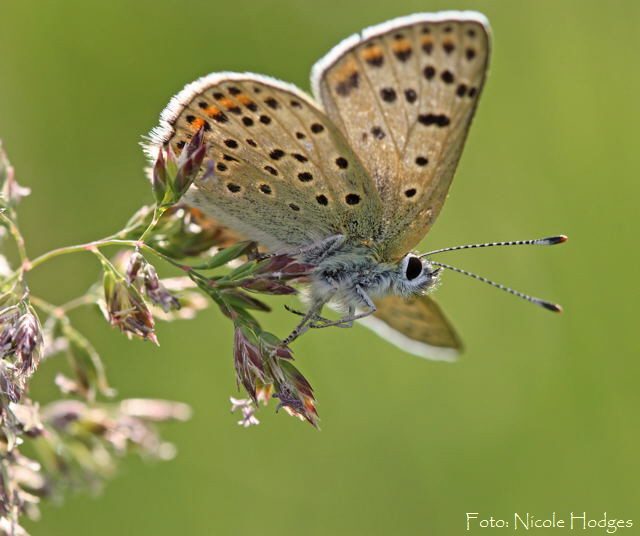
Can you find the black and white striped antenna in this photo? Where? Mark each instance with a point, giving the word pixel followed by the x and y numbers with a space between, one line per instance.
pixel 549 241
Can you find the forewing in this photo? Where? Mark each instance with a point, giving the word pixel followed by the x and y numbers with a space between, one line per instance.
pixel 416 325
pixel 279 172
pixel 404 94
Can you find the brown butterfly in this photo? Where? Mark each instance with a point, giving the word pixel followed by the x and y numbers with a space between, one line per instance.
pixel 349 182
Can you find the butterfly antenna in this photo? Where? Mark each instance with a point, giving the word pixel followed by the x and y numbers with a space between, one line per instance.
pixel 547 305
pixel 548 241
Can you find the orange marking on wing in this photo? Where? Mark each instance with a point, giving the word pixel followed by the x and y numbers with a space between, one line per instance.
pixel 227 103
pixel 427 41
pixel 402 45
pixel 346 70
pixel 244 99
pixel 212 110
pixel 372 52
pixel 197 123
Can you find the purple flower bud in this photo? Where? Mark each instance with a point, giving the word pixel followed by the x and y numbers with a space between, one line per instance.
pixel 125 308
pixel 267 286
pixel 247 361
pixel 157 292
pixel 196 143
pixel 136 261
pixel 159 178
pixel 28 341
pixel 151 281
pixel 6 340
pixel 189 164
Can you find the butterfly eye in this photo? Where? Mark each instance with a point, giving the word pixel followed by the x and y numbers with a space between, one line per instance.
pixel 414 268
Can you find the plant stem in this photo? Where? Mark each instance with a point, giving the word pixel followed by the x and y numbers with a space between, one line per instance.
pixel 17 236
pixel 157 214
pixel 47 307
pixel 86 299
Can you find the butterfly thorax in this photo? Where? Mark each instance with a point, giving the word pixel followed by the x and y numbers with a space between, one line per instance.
pixel 351 270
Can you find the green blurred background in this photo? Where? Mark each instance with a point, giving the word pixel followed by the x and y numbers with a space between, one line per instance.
pixel 540 415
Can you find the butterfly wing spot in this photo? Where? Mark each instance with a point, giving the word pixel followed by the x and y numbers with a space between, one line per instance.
pixel 448 47
pixel 470 53
pixel 447 77
pixel 317 128
pixel 388 94
pixel 272 103
pixel 352 199
pixel 429 72
pixel 276 154
pixel 377 132
pixel 461 90
pixel 300 136
pixel 232 144
pixel 294 207
pixel 251 142
pixel 342 162
pixel 351 82
pixel 233 188
pixel 221 167
pixel 439 120
pixel 322 200
pixel 410 192
pixel 300 157
pixel 427 45
pixel 265 119
pixel 271 170
pixel 247 121
pixel 305 176
pixel 410 95
pixel 348 78
pixel 421 161
pixel 265 189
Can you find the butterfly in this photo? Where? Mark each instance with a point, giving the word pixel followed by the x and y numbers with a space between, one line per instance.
pixel 351 180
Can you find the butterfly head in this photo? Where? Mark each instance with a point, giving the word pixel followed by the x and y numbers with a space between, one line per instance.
pixel 415 275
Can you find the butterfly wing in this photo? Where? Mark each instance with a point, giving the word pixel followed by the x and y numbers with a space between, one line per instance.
pixel 416 325
pixel 280 172
pixel 404 94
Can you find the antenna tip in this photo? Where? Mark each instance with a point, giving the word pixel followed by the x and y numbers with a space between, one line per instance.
pixel 551 240
pixel 552 307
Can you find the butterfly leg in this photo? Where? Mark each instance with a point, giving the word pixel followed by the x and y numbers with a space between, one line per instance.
pixel 348 320
pixel 300 313
pixel 305 323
